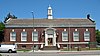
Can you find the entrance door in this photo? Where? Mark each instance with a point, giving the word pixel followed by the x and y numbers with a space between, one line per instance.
pixel 50 42
pixel 50 37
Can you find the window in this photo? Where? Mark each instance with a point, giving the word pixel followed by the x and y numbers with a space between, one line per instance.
pixel 35 35
pixel 76 36
pixel 49 11
pixel 24 36
pixel 13 36
pixel 64 36
pixel 75 46
pixel 86 36
pixel 50 31
pixel 87 45
pixel 65 46
pixel 23 46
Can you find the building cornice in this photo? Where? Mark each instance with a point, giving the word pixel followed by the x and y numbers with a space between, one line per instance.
pixel 50 25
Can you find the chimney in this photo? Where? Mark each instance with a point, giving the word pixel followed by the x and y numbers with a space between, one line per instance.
pixel 88 17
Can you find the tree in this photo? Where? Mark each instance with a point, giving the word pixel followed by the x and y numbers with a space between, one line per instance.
pixel 98 36
pixel 2 26
pixel 1 36
pixel 9 16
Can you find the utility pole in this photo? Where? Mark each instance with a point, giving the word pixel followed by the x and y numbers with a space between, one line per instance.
pixel 33 29
pixel 69 38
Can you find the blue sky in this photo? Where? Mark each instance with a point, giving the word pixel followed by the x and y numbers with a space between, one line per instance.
pixel 61 9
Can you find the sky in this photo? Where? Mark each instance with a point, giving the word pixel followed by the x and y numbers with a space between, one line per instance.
pixel 61 9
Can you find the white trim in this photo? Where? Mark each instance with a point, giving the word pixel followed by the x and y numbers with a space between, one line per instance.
pixel 75 29
pixel 73 43
pixel 23 30
pixel 13 30
pixel 63 38
pixel 22 35
pixel 48 25
pixel 87 38
pixel 47 36
pixel 11 37
pixel 50 13
pixel 50 28
pixel 34 29
pixel 74 36
pixel 8 20
pixel 41 45
pixel 76 47
pixel 33 36
pixel 64 29
pixel 58 43
pixel 86 47
pixel 29 43
pixel 87 29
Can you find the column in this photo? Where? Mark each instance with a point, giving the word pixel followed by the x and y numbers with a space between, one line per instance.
pixel 46 39
pixel 54 39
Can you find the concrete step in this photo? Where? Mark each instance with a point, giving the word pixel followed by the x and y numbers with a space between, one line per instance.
pixel 50 48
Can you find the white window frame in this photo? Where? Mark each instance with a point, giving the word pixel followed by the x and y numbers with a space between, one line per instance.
pixel 35 36
pixel 11 36
pixel 23 36
pixel 74 36
pixel 64 35
pixel 85 36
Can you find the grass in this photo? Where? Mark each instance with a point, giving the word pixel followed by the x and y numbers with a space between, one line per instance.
pixel 94 48
pixel 24 50
pixel 81 49
pixel 0 55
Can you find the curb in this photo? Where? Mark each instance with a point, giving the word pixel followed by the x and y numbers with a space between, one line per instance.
pixel 63 51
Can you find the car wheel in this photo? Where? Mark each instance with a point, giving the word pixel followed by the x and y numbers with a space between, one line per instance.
pixel 10 51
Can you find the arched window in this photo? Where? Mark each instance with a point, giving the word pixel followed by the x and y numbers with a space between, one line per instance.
pixel 64 36
pixel 35 35
pixel 24 36
pixel 75 36
pixel 86 36
pixel 13 36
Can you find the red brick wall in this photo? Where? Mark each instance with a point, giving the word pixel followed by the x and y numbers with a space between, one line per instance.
pixel 41 37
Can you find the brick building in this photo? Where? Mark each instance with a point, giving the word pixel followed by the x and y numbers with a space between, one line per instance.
pixel 60 32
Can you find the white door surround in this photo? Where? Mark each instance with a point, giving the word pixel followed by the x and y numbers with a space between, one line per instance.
pixel 50 33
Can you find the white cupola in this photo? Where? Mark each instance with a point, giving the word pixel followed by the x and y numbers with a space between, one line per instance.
pixel 50 13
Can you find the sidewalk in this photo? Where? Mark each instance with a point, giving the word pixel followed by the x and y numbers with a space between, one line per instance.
pixel 64 51
pixel 48 51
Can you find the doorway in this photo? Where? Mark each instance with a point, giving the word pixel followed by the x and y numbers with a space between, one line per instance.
pixel 50 37
pixel 50 42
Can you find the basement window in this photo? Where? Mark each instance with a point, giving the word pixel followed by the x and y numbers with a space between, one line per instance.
pixel 23 46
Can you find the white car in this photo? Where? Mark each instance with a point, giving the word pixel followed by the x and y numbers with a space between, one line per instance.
pixel 8 48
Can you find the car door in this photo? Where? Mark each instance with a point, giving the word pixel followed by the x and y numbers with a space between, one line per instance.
pixel 0 48
pixel 4 48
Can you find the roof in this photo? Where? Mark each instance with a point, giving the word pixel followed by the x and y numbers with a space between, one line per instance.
pixel 50 22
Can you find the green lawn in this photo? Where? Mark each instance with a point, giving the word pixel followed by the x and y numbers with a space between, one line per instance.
pixel 24 50
pixel 81 49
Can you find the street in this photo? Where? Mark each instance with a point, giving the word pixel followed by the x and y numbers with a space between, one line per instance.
pixel 73 53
